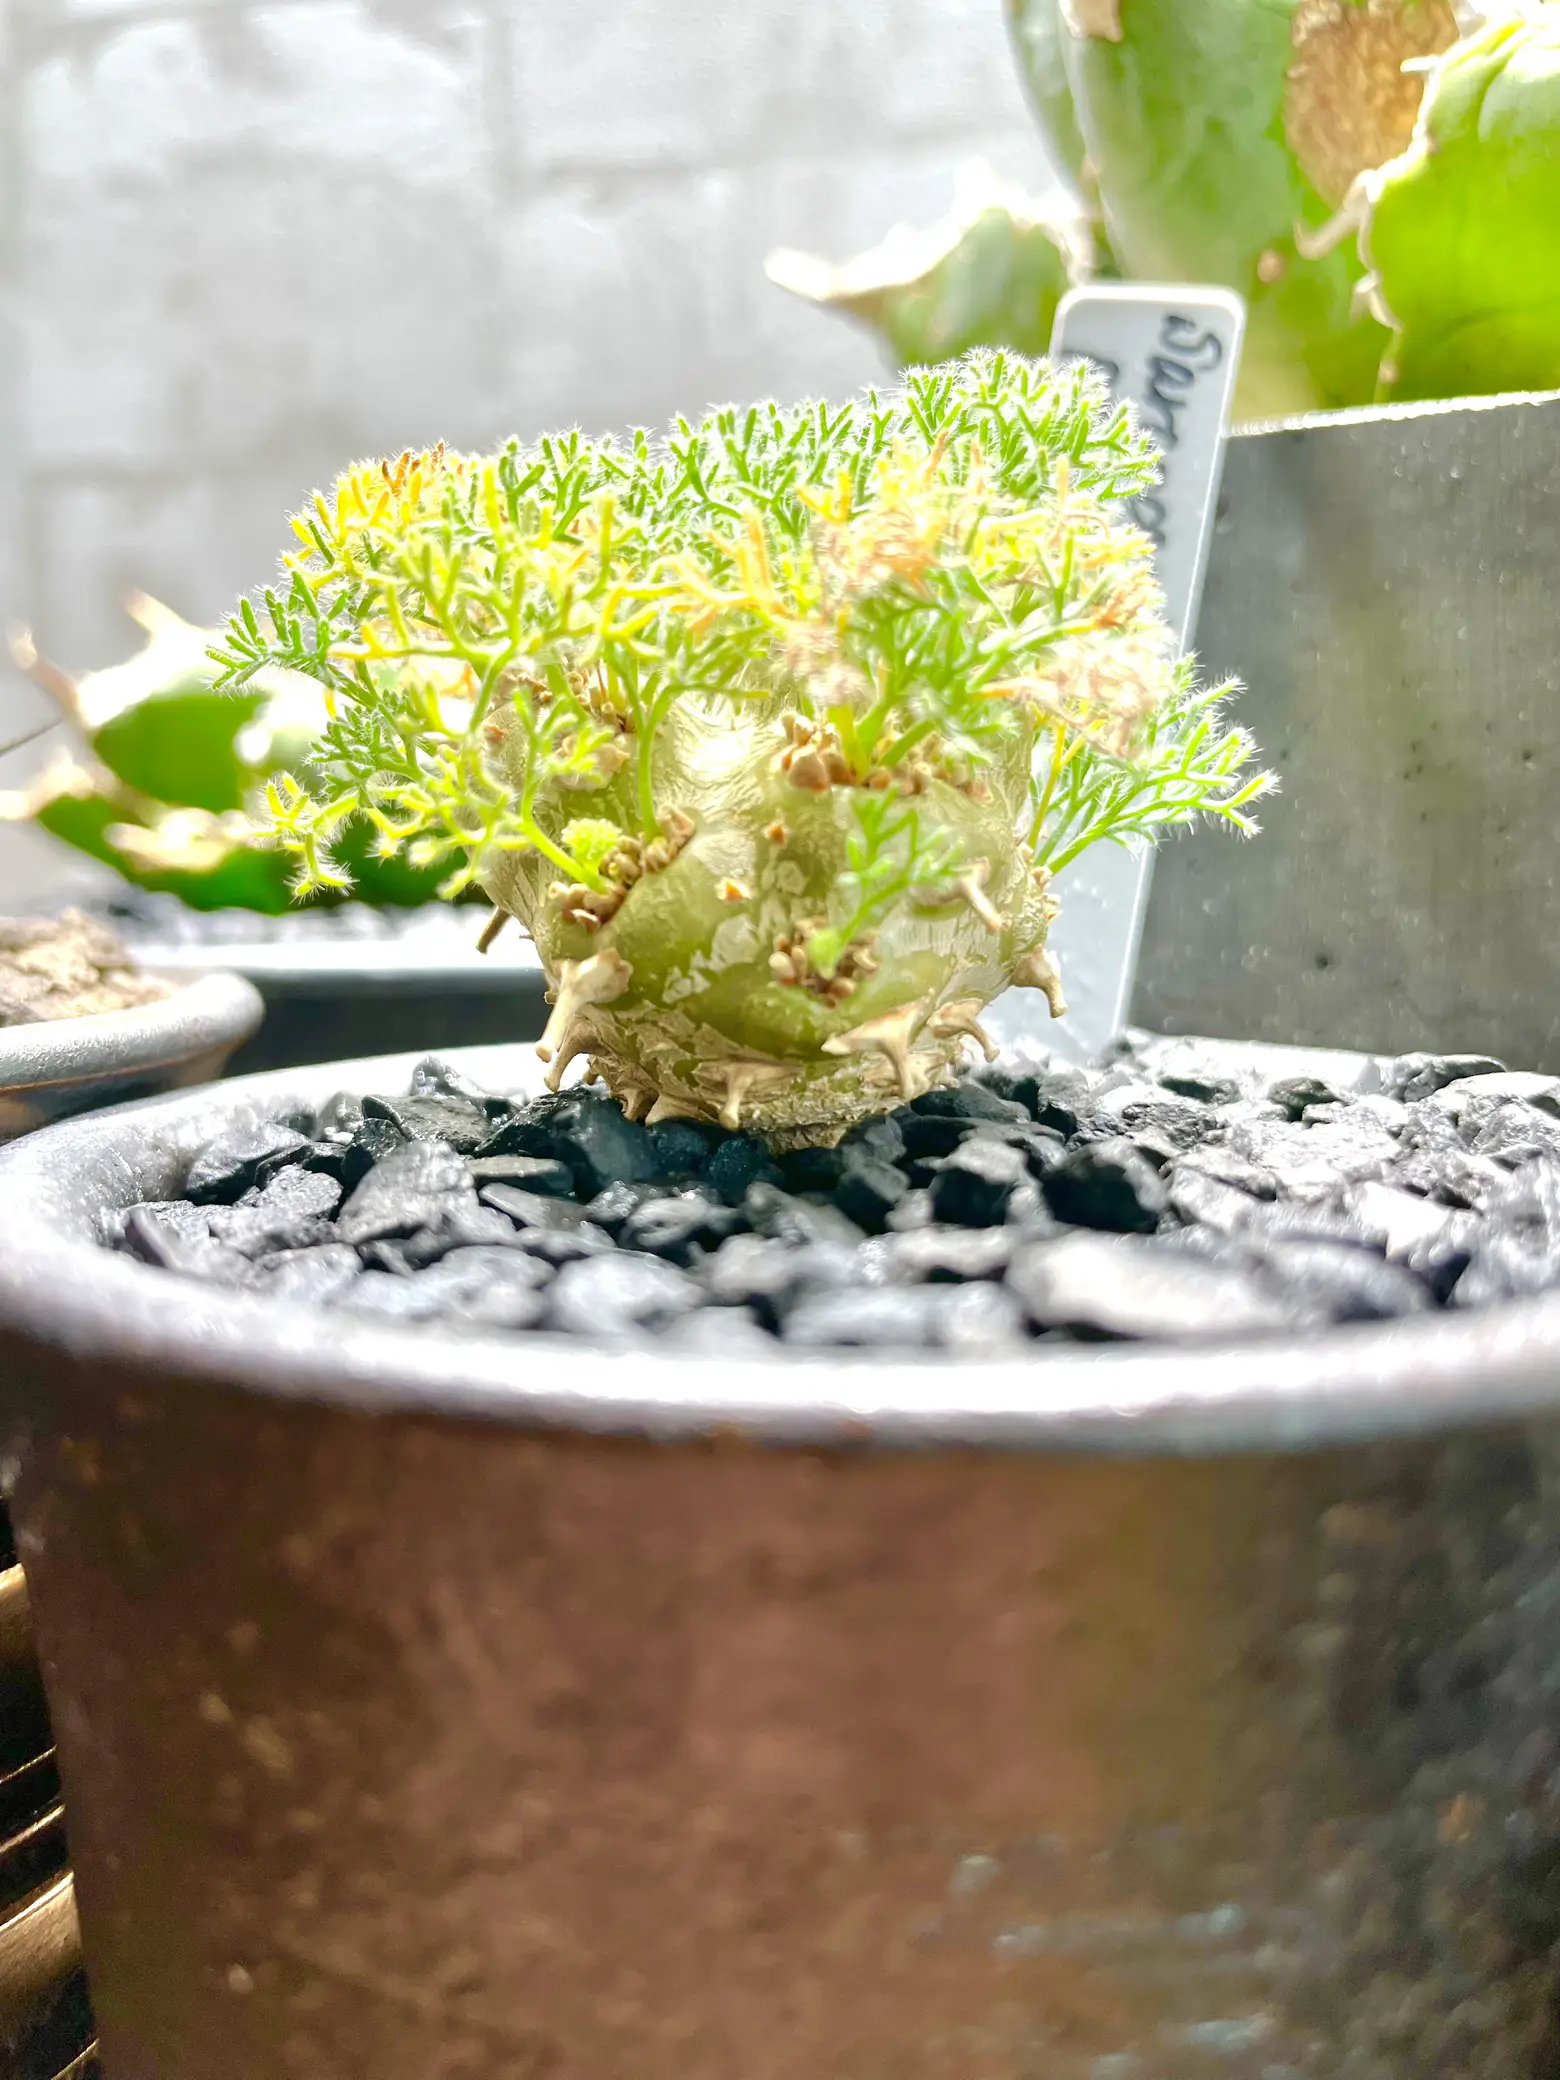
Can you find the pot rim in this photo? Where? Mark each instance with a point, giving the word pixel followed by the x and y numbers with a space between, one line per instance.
pixel 1341 1387
pixel 213 1010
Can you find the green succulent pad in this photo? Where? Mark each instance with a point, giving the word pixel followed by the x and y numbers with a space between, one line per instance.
pixel 1218 129
pixel 1039 33
pixel 171 762
pixel 777 734
pixel 991 273
pixel 1459 231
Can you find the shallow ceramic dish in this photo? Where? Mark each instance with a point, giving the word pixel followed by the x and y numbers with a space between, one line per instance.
pixel 61 1066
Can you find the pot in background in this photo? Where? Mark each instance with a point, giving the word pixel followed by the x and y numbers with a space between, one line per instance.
pixel 354 981
pixel 60 1066
pixel 434 1707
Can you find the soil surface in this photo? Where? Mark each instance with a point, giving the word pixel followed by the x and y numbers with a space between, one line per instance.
pixel 67 967
pixel 1025 1204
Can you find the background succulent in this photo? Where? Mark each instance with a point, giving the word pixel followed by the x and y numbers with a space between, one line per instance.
pixel 1458 232
pixel 166 764
pixel 774 734
pixel 1217 141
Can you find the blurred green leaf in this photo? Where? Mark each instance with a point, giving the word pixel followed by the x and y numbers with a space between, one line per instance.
pixel 178 746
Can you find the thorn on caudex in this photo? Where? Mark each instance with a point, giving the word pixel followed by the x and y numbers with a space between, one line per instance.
pixel 739 1076
pixel 1037 970
pixel 599 979
pixel 971 885
pixel 891 1036
pixel 961 1017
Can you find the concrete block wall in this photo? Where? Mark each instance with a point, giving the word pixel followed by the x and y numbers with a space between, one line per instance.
pixel 243 241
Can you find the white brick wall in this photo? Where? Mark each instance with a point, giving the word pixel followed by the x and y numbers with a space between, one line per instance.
pixel 240 244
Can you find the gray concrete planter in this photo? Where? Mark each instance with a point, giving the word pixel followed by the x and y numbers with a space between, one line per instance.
pixel 1382 582
pixel 433 1707
pixel 62 1066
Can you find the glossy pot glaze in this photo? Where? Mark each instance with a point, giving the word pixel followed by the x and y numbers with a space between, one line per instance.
pixel 58 1067
pixel 505 1707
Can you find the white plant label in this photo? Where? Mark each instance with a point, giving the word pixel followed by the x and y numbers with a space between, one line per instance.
pixel 1172 355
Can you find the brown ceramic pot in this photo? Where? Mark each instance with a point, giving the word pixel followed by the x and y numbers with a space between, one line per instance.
pixel 506 1708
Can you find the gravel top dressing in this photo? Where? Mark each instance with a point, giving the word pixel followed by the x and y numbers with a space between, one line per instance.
pixel 1026 1204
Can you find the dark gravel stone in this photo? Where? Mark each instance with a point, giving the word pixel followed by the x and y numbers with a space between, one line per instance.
pixel 1196 1196
pixel 1415 1076
pixel 395 1295
pixel 741 1160
pixel 1166 1131
pixel 888 1317
pixel 813 1170
pixel 1305 1221
pixel 174 1244
pixel 492 1288
pixel 349 1162
pixel 146 1231
pixel 310 1277
pixel 339 1117
pixel 717 1332
pixel 868 1191
pixel 406 1191
pixel 463 1125
pixel 1064 1100
pixel 1341 1282
pixel 288 1213
pixel 229 1166
pixel 1312 1161
pixel 1125 1287
pixel 533 1210
pixel 782 1217
pixel 913 1211
pixel 1150 1115
pixel 1295 1095
pixel 1209 1087
pixel 753 1271
pixel 564 1245
pixel 933 1134
pixel 1542 1091
pixel 584 1130
pixel 976 1321
pixel 971 1100
pixel 682 1144
pixel 1510 1132
pixel 1398 1222
pixel 1226 1166
pixel 974 1186
pixel 544 1174
pixel 878 1139
pixel 499 1289
pixel 680 1228
pixel 612 1207
pixel 609 1295
pixel 433 1078
pixel 1107 1184
pixel 462 1224
pixel 958 1223
pixel 950 1256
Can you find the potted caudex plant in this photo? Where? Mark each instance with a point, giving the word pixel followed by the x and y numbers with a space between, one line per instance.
pixel 790 1555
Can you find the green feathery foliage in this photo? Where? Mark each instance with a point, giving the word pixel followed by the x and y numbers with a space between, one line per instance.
pixel 772 733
